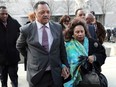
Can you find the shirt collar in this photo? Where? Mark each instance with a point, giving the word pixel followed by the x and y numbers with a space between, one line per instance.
pixel 39 25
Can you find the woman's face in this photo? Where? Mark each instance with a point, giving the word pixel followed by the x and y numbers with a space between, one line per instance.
pixel 66 22
pixel 79 33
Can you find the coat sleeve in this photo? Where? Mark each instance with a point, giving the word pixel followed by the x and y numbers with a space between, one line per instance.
pixel 63 50
pixel 21 43
pixel 101 33
pixel 95 48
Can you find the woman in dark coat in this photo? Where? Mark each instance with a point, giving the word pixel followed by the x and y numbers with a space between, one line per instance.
pixel 80 44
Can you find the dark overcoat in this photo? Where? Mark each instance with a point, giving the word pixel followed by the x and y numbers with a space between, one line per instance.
pixel 95 48
pixel 8 36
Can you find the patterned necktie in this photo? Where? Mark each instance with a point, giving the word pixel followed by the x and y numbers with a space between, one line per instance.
pixel 45 43
pixel 45 39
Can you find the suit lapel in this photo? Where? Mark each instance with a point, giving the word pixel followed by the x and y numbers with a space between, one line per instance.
pixel 35 36
pixel 36 39
pixel 54 35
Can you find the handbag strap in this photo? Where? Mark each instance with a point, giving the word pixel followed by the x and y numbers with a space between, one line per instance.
pixel 78 68
pixel 93 68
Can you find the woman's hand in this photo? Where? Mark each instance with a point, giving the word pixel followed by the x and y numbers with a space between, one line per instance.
pixel 91 58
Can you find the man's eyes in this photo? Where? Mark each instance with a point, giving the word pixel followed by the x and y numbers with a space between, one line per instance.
pixel 43 12
pixel 4 13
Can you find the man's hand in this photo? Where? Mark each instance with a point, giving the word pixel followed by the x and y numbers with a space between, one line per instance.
pixel 65 72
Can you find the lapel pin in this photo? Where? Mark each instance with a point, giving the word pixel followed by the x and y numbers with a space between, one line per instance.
pixel 96 44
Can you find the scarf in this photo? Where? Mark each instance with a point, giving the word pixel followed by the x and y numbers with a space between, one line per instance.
pixel 75 49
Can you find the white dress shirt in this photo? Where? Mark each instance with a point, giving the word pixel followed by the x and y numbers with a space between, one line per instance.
pixel 39 29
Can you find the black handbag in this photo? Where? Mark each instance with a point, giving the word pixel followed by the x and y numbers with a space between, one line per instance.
pixel 103 80
pixel 90 79
pixel 2 59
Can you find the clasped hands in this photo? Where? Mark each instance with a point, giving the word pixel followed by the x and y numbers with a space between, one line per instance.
pixel 65 72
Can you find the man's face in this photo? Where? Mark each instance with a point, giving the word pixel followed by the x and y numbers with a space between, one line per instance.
pixel 81 14
pixel 89 19
pixel 43 13
pixel 3 15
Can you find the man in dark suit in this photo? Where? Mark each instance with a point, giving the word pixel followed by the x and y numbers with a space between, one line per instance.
pixel 9 55
pixel 42 42
pixel 91 28
pixel 100 30
pixel 92 32
pixel 80 14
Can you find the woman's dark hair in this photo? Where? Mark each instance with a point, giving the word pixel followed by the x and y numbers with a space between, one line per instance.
pixel 74 24
pixel 92 12
pixel 39 2
pixel 64 18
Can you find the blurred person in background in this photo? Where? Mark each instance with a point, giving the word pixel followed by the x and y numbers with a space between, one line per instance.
pixel 114 34
pixel 81 15
pixel 100 30
pixel 109 33
pixel 65 22
pixel 9 55
pixel 89 19
pixel 31 17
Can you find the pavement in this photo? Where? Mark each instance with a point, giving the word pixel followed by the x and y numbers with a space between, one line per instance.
pixel 108 69
pixel 110 48
pixel 21 77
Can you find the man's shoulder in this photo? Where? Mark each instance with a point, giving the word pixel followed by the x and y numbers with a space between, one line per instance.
pixel 54 23
pixel 98 22
pixel 26 27
pixel 93 41
pixel 12 19
pixel 91 27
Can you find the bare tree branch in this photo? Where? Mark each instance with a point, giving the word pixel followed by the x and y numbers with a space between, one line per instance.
pixel 32 2
pixel 51 4
pixel 68 6
pixel 107 5
pixel 81 3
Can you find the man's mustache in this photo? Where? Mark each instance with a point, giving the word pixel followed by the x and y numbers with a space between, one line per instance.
pixel 45 17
